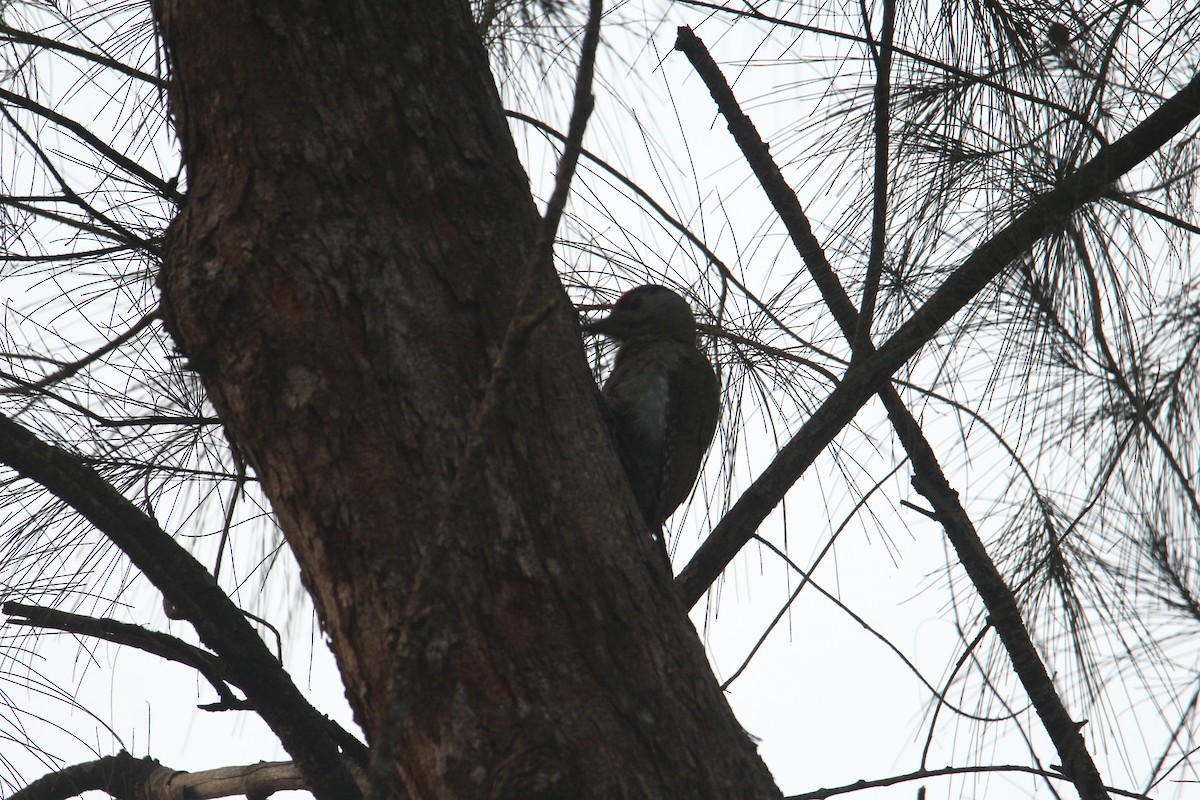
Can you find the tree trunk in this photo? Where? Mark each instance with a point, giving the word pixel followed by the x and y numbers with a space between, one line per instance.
pixel 351 253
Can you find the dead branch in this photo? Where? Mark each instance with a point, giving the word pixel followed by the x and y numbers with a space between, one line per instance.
pixel 124 777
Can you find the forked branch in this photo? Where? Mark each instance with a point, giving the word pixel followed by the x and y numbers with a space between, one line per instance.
pixel 1048 213
pixel 188 586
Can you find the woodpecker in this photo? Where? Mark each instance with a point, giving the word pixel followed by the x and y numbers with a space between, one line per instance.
pixel 663 395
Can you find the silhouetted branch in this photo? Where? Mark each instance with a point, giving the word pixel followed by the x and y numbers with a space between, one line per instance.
pixel 1162 216
pixel 110 630
pixel 964 77
pixel 165 189
pixel 672 221
pixel 28 206
pixel 925 774
pixel 1048 213
pixel 73 367
pixel 882 56
pixel 73 197
pixel 184 582
pixel 11 34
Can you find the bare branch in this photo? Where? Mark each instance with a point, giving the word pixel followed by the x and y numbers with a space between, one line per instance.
pixel 580 113
pixel 727 274
pixel 24 204
pixel 925 774
pixel 879 214
pixel 1048 213
pixel 11 34
pixel 189 587
pixel 71 368
pixel 965 77
pixel 110 630
pixel 70 195
pixel 164 188
pixel 1137 205
pixel 127 778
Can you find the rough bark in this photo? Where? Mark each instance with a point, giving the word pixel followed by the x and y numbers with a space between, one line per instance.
pixel 356 232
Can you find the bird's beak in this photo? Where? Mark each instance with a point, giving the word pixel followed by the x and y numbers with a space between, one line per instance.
pixel 598 326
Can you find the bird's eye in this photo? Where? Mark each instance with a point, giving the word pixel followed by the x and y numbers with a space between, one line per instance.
pixel 628 303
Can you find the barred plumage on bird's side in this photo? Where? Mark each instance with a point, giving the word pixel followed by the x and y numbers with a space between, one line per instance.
pixel 663 394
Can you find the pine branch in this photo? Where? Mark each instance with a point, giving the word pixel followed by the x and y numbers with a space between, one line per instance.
pixel 188 586
pixel 156 643
pixel 1049 213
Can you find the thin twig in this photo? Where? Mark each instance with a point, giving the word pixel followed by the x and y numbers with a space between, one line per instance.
pixel 968 78
pixel 23 204
pixel 70 195
pixel 1162 216
pixel 164 188
pixel 727 274
pixel 159 644
pixel 925 774
pixel 958 665
pixel 239 487
pixel 940 694
pixel 25 37
pixel 806 577
pixel 71 368
pixel 879 212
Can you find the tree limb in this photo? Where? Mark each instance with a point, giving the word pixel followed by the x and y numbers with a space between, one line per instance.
pixel 1050 211
pixel 73 197
pixel 220 624
pixel 882 56
pixel 110 630
pixel 165 189
pixel 925 774
pixel 1047 213
pixel 127 778
pixel 11 34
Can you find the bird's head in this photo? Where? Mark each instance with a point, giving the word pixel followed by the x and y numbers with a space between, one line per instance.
pixel 649 310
